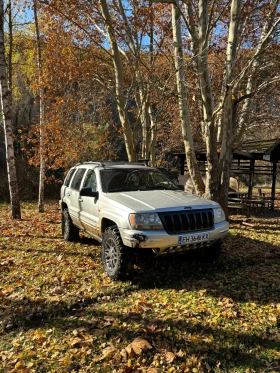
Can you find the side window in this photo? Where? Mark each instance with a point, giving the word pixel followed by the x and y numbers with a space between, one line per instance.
pixel 76 182
pixel 69 177
pixel 90 181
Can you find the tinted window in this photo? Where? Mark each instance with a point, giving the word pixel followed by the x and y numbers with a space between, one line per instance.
pixel 90 181
pixel 69 177
pixel 78 178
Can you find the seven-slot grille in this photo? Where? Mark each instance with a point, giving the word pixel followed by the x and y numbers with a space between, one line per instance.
pixel 187 221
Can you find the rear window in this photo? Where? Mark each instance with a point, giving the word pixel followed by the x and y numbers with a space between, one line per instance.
pixel 78 178
pixel 69 176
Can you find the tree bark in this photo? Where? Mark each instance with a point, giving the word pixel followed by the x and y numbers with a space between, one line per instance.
pixel 120 97
pixel 141 86
pixel 210 129
pixel 228 109
pixel 255 66
pixel 41 114
pixel 6 106
pixel 153 138
pixel 183 102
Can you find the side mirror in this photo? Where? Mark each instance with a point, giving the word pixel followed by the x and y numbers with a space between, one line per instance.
pixel 88 192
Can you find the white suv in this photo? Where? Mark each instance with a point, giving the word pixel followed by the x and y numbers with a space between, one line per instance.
pixel 130 206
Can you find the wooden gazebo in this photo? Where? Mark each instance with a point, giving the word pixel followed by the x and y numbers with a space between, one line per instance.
pixel 245 162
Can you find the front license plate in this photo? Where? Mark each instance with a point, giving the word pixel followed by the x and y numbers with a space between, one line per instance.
pixel 193 238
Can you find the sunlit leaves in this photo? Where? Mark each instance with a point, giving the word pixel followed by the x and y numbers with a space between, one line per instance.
pixel 59 312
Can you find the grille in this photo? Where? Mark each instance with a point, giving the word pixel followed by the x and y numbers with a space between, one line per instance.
pixel 187 221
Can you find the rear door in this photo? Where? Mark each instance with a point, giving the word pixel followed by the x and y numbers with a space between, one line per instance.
pixel 89 205
pixel 72 194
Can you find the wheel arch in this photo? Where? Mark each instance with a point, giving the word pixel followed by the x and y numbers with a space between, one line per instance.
pixel 63 206
pixel 106 223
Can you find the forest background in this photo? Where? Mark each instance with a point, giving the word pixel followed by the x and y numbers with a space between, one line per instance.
pixel 118 80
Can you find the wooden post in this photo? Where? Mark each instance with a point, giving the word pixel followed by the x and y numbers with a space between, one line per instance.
pixel 183 161
pixel 251 178
pixel 273 184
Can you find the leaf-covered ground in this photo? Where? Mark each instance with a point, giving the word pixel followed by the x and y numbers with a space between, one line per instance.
pixel 60 313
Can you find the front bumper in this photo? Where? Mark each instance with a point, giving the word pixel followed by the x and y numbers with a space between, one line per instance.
pixel 162 242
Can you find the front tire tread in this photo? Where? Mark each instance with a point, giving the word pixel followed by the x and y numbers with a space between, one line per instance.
pixel 114 254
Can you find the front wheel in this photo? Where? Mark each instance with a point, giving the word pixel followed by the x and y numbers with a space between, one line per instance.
pixel 114 254
pixel 69 231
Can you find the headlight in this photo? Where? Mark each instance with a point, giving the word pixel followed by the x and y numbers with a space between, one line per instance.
pixel 219 215
pixel 149 221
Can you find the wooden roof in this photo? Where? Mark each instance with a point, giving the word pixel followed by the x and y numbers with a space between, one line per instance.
pixel 267 150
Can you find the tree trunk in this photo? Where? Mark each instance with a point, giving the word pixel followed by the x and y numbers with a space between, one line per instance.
pixel 210 129
pixel 229 103
pixel 152 138
pixel 141 86
pixel 183 103
pixel 255 66
pixel 10 56
pixel 42 115
pixel 120 96
pixel 6 106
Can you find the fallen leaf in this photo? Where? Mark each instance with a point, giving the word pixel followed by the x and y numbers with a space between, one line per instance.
pixel 77 342
pixel 138 346
pixel 169 357
pixel 79 330
pixel 108 351
pixel 154 370
pixel 180 353
pixel 144 306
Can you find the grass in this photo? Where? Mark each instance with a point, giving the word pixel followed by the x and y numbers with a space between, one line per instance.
pixel 60 313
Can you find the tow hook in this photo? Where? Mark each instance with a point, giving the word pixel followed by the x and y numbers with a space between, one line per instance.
pixel 136 240
pixel 140 237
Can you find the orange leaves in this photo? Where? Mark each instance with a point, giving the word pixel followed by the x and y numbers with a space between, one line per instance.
pixel 169 357
pixel 59 313
pixel 108 352
pixel 143 306
pixel 138 346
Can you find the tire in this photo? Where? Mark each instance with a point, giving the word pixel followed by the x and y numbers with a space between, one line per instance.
pixel 209 254
pixel 69 231
pixel 114 254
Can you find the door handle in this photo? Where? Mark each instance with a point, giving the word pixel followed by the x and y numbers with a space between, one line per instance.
pixel 80 200
pixel 68 194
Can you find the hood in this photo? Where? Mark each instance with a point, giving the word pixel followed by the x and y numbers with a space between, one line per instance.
pixel 160 200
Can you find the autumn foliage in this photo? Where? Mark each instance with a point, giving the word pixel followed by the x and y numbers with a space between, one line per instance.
pixel 60 313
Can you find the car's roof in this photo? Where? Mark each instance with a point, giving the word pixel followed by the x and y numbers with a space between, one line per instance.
pixel 114 165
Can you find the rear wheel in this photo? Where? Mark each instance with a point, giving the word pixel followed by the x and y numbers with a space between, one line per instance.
pixel 114 254
pixel 69 231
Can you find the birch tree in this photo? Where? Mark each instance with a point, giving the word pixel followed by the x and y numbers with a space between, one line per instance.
pixel 141 81
pixel 183 101
pixel 120 91
pixel 233 117
pixel 235 33
pixel 223 118
pixel 41 113
pixel 6 106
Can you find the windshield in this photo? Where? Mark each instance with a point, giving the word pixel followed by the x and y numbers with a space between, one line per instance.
pixel 127 179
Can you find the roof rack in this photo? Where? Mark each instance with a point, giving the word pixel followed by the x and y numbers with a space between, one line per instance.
pixel 112 163
pixel 122 163
pixel 90 162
